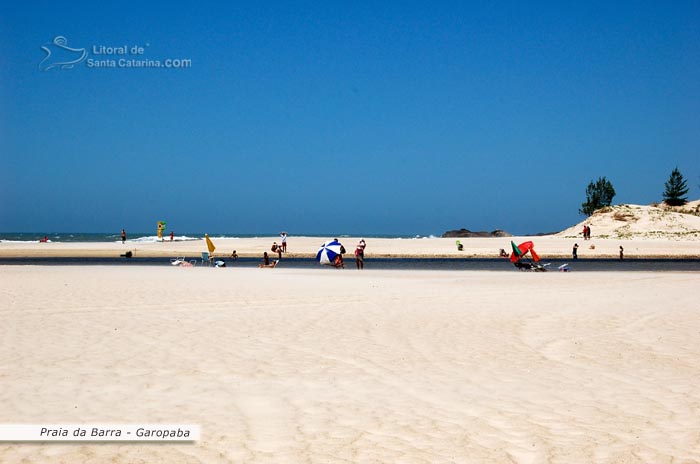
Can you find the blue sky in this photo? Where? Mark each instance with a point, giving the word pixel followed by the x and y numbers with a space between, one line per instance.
pixel 345 117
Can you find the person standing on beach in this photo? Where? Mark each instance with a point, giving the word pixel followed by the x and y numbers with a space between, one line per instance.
pixel 574 253
pixel 588 232
pixel 123 236
pixel 360 255
pixel 284 241
pixel 622 253
pixel 172 235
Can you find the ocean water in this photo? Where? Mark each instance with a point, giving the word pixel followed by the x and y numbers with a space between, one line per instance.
pixel 33 237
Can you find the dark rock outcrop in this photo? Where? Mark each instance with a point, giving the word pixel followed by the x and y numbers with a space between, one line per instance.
pixel 469 233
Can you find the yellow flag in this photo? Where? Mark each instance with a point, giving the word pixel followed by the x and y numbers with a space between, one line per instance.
pixel 210 244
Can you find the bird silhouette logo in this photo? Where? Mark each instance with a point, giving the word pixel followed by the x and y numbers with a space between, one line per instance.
pixel 60 55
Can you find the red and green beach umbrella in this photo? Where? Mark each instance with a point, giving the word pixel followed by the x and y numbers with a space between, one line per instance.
pixel 521 250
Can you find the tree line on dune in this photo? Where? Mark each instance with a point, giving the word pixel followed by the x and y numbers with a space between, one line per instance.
pixel 601 193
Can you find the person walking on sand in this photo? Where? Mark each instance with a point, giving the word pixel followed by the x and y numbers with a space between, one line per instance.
pixel 588 232
pixel 574 253
pixel 123 236
pixel 622 253
pixel 172 235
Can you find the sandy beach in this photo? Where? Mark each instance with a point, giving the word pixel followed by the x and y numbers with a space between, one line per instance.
pixel 294 366
pixel 432 247
pixel 515 189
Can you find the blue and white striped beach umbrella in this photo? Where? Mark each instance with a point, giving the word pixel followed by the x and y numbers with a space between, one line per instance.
pixel 328 251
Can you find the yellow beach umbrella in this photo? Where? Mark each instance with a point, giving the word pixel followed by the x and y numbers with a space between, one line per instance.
pixel 210 244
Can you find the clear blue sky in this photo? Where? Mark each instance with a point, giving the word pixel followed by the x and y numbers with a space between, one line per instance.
pixel 345 117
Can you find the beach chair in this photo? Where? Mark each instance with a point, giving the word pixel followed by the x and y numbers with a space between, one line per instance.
pixel 207 259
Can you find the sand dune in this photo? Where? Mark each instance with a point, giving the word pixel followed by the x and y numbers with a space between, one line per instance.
pixel 341 366
pixel 642 222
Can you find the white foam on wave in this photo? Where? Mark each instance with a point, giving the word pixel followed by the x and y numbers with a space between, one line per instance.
pixel 154 238
pixel 24 241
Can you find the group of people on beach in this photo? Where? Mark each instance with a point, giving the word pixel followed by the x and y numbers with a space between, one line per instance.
pixel 123 236
pixel 275 248
pixel 282 248
pixel 586 232
pixel 339 263
pixel 586 236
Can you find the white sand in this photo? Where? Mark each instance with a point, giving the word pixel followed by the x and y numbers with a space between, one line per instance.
pixel 344 366
pixel 546 247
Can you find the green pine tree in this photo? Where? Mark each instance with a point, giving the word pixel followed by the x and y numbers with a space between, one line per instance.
pixel 598 195
pixel 676 189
